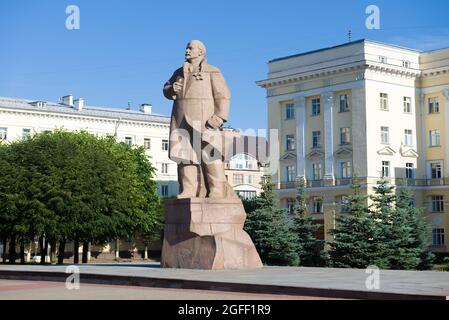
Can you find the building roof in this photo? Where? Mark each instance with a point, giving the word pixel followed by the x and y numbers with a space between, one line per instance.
pixel 343 45
pixel 90 111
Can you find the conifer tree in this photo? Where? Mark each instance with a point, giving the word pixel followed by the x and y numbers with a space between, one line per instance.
pixel 410 235
pixel 271 229
pixel 310 249
pixel 353 245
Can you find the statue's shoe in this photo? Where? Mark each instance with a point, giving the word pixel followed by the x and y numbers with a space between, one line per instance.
pixel 185 195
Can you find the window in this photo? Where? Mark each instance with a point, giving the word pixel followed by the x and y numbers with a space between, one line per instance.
pixel 317 171
pixel 384 101
pixel 243 161
pixel 435 170
pixel 344 204
pixel 289 111
pixel 164 168
pixel 344 106
pixel 26 133
pixel 316 139
pixel 129 141
pixel 406 63
pixel 147 143
pixel 385 169
pixel 3 134
pixel 384 135
pixel 437 203
pixel 164 191
pixel 383 59
pixel 250 179
pixel 438 237
pixel 290 172
pixel 290 142
pixel 316 106
pixel 434 105
pixel 345 169
pixel 245 194
pixel 408 137
pixel 409 170
pixel 164 145
pixel 345 136
pixel 317 205
pixel 434 136
pixel 238 178
pixel 291 206
pixel 407 105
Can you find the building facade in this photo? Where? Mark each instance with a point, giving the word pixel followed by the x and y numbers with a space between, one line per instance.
pixel 20 118
pixel 364 109
pixel 245 163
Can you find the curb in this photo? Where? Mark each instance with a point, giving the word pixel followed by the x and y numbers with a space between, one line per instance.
pixel 92 278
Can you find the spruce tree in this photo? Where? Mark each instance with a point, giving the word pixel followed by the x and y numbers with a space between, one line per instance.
pixel 271 230
pixel 310 249
pixel 383 208
pixel 410 234
pixel 354 245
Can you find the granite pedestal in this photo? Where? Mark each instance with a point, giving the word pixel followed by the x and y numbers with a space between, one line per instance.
pixel 207 233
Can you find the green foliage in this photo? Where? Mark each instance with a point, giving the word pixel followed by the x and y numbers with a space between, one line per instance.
pixel 391 234
pixel 271 229
pixel 410 235
pixel 67 185
pixel 310 249
pixel 354 243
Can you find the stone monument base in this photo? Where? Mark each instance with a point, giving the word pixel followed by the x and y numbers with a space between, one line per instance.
pixel 207 233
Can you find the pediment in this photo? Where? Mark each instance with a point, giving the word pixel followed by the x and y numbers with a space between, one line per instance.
pixel 410 153
pixel 343 152
pixel 315 154
pixel 386 151
pixel 288 156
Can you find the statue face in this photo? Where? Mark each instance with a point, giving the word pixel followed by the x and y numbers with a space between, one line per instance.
pixel 192 51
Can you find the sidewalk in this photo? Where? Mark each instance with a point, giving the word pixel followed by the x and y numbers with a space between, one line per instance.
pixel 318 282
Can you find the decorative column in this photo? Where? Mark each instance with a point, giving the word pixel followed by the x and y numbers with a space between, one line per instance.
pixel 446 130
pixel 300 110
pixel 329 175
pixel 423 137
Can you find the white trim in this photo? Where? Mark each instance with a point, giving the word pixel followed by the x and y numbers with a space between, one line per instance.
pixel 300 104
pixel 328 99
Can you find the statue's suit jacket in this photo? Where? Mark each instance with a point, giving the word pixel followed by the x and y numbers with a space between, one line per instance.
pixel 203 95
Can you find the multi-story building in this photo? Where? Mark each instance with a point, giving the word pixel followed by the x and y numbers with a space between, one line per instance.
pixel 368 109
pixel 21 118
pixel 245 164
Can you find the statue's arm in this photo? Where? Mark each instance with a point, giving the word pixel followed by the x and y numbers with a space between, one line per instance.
pixel 169 93
pixel 222 96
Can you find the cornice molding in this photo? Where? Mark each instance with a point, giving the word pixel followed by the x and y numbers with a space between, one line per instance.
pixel 82 118
pixel 360 68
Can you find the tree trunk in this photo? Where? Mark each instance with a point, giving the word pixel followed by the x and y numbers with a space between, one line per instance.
pixel 117 248
pixel 145 254
pixel 4 242
pixel 22 251
pixel 85 251
pixel 76 245
pixel 42 248
pixel 61 251
pixel 12 250
pixel 46 250
pixel 52 250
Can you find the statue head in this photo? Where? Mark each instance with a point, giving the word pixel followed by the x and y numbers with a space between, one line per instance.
pixel 195 51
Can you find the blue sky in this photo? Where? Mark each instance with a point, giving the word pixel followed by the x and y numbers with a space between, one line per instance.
pixel 126 50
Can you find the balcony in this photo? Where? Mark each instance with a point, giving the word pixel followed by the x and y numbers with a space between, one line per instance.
pixel 287 185
pixel 343 182
pixel 370 180
pixel 315 183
